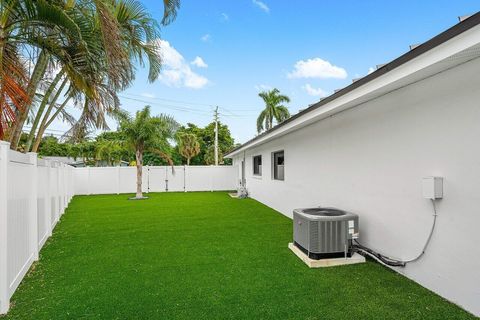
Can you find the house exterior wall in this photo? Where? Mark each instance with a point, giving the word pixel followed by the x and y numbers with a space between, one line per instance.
pixel 371 160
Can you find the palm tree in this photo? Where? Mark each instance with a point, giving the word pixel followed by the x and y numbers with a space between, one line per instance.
pixel 137 31
pixel 146 133
pixel 90 46
pixel 52 33
pixel 109 151
pixel 188 146
pixel 209 157
pixel 43 30
pixel 274 109
pixel 84 150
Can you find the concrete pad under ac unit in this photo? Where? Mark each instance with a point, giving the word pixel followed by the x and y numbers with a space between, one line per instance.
pixel 311 263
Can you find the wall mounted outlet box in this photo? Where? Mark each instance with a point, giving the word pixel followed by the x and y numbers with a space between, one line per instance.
pixel 432 187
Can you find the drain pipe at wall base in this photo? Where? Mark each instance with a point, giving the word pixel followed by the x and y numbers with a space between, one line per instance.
pixel 391 261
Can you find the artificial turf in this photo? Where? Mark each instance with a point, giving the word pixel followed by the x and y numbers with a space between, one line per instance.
pixel 201 256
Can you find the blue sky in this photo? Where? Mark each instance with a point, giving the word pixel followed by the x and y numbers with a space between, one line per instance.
pixel 306 49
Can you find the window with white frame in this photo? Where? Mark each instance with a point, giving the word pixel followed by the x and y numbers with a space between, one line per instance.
pixel 278 160
pixel 257 165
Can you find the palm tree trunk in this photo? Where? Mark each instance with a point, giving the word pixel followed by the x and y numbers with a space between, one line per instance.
pixel 139 159
pixel 38 72
pixel 188 161
pixel 46 122
pixel 42 106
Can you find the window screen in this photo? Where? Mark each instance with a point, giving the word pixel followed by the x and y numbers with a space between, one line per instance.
pixel 278 165
pixel 257 165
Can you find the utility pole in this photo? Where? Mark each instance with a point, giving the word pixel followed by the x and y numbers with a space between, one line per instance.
pixel 216 135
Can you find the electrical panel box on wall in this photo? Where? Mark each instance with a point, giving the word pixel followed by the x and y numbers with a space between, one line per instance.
pixel 432 187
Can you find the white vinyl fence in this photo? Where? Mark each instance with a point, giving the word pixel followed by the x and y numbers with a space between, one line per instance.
pixel 35 192
pixel 33 195
pixel 115 180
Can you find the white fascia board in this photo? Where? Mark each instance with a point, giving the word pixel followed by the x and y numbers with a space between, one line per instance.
pixel 449 48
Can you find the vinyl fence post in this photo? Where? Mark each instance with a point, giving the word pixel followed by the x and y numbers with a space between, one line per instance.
pixel 60 191
pixel 54 182
pixel 148 179
pixel 69 183
pixel 184 178
pixel 57 195
pixel 33 212
pixel 72 183
pixel 4 287
pixel 64 187
pixel 48 198
pixel 211 177
pixel 118 179
pixel 88 181
pixel 166 178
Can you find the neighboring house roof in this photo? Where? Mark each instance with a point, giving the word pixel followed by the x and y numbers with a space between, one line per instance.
pixel 66 160
pixel 438 62
pixel 80 162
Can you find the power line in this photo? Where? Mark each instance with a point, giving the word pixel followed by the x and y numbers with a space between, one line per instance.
pixel 52 134
pixel 192 110
pixel 231 113
pixel 171 100
pixel 237 116
pixel 231 108
pixel 28 127
pixel 176 108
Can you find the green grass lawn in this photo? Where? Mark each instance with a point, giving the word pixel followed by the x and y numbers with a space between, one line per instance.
pixel 201 256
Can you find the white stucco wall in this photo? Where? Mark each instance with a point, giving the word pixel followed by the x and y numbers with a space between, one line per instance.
pixel 371 160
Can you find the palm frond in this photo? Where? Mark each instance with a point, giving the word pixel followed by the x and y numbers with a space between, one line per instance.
pixel 170 9
pixel 13 80
pixel 140 33
pixel 115 54
pixel 282 114
pixel 260 121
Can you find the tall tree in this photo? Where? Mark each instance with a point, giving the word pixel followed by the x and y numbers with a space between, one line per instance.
pixel 93 43
pixel 109 151
pixel 206 137
pixel 53 35
pixel 137 33
pixel 188 146
pixel 32 31
pixel 147 133
pixel 274 109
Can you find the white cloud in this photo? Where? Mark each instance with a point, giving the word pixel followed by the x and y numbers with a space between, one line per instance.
pixel 225 16
pixel 198 62
pixel 177 72
pixel 147 95
pixel 316 68
pixel 263 87
pixel 206 37
pixel 194 81
pixel 371 69
pixel 261 5
pixel 314 91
